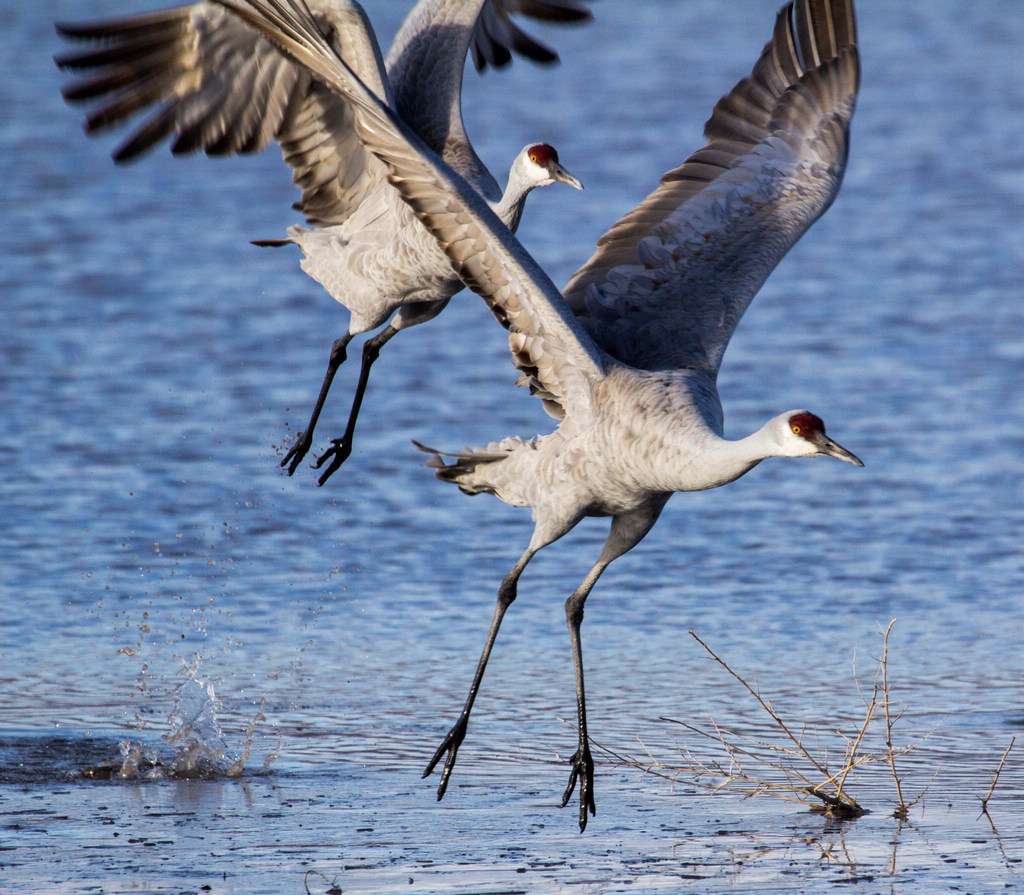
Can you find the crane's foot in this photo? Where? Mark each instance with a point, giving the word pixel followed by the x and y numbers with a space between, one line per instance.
pixel 450 744
pixel 340 451
pixel 583 771
pixel 298 450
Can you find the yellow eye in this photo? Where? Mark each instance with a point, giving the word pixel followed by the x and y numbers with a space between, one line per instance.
pixel 796 430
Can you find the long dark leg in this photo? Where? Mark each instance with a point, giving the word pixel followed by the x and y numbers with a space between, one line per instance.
pixel 342 447
pixel 581 761
pixel 451 743
pixel 305 439
pixel 411 314
pixel 626 533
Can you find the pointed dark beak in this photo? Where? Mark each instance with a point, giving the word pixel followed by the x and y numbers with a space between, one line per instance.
pixel 559 173
pixel 829 448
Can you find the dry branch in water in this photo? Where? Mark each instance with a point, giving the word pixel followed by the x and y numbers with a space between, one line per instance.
pixel 995 776
pixel 788 768
pixel 902 808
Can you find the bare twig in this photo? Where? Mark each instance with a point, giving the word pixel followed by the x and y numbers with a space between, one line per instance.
pixel 334 889
pixel 790 769
pixel 902 809
pixel 840 803
pixel 853 748
pixel 995 777
pixel 767 706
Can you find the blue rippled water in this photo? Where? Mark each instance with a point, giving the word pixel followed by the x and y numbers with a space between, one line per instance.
pixel 154 363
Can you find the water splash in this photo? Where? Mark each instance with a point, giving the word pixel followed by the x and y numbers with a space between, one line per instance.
pixel 198 747
pixel 195 736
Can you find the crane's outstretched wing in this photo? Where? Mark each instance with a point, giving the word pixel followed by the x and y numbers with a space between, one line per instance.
pixel 670 281
pixel 428 57
pixel 496 36
pixel 548 344
pixel 215 83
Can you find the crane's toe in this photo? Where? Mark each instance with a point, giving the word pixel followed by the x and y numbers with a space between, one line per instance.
pixel 298 450
pixel 449 745
pixel 583 771
pixel 338 453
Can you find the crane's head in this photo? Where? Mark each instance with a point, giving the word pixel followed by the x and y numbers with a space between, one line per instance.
pixel 539 166
pixel 802 434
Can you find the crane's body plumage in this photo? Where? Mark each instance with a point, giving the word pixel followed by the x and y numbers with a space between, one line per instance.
pixel 220 85
pixel 627 358
pixel 611 464
pixel 358 258
pixel 381 261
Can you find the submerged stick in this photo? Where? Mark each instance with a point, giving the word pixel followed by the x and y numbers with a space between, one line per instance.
pixel 995 777
pixel 902 809
pixel 840 804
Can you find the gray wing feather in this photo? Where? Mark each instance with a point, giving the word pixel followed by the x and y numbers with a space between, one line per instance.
pixel 425 66
pixel 211 82
pixel 670 281
pixel 427 60
pixel 548 344
pixel 496 37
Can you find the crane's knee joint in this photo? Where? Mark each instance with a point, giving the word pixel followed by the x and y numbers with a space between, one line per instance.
pixel 338 350
pixel 574 610
pixel 371 351
pixel 508 591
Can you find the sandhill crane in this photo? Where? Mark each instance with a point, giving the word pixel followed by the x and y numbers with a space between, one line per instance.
pixel 627 358
pixel 216 84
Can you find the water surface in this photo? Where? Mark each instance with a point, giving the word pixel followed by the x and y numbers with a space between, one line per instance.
pixel 155 364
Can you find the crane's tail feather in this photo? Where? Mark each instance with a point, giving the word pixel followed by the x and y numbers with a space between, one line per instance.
pixel 477 455
pixel 462 471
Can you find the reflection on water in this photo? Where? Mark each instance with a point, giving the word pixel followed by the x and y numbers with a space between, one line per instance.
pixel 155 363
